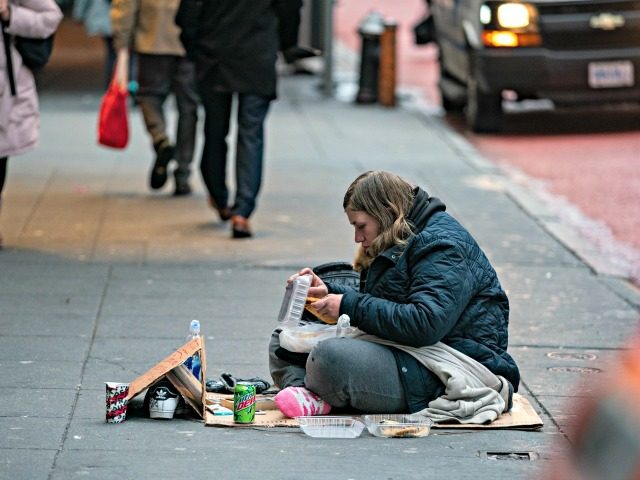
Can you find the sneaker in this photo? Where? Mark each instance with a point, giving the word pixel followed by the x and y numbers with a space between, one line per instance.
pixel 298 402
pixel 163 400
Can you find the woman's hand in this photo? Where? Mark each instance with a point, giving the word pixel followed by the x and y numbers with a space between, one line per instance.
pixel 318 288
pixel 122 68
pixel 329 305
pixel 5 10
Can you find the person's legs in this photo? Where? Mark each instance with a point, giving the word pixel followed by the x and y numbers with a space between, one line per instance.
pixel 289 24
pixel 252 111
pixel 3 177
pixel 284 373
pixel 110 60
pixel 154 79
pixel 184 88
pixel 3 172
pixel 355 373
pixel 213 166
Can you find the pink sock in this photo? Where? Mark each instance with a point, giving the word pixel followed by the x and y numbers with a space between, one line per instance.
pixel 298 402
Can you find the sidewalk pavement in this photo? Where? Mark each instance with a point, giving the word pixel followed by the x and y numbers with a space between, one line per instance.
pixel 100 279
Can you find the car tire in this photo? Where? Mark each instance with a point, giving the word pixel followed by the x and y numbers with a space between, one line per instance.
pixel 483 111
pixel 449 104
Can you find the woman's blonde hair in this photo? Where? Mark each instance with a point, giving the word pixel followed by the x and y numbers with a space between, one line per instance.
pixel 387 198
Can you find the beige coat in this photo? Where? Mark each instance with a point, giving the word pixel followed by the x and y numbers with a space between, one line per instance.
pixel 146 26
pixel 19 115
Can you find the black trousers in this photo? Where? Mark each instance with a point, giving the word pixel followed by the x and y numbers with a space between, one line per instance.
pixel 3 172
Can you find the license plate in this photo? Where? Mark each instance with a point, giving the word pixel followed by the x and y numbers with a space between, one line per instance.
pixel 611 74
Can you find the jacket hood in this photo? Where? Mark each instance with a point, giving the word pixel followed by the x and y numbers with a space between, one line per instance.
pixel 423 208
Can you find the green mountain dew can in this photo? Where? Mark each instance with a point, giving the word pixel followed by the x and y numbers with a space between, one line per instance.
pixel 244 403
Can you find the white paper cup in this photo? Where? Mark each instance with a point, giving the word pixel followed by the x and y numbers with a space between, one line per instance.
pixel 116 401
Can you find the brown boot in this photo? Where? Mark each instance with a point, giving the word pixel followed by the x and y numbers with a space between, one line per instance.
pixel 240 227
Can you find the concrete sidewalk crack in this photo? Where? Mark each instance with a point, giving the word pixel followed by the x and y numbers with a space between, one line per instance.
pixel 65 434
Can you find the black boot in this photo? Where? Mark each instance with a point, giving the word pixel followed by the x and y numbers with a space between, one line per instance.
pixel 164 153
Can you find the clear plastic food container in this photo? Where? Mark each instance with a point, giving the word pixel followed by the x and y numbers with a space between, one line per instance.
pixel 331 427
pixel 293 301
pixel 398 425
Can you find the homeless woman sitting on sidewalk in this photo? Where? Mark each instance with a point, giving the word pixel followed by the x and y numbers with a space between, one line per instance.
pixel 433 315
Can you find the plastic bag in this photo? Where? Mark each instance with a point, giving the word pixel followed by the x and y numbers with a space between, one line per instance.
pixel 302 338
pixel 113 121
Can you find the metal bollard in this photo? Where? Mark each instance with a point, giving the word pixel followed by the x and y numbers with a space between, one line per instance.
pixel 370 30
pixel 387 74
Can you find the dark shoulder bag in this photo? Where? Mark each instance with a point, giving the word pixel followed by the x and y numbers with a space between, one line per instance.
pixel 35 52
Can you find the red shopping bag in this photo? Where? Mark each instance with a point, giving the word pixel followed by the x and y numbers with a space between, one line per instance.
pixel 113 122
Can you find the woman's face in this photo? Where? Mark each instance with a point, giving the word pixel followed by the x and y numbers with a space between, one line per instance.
pixel 366 227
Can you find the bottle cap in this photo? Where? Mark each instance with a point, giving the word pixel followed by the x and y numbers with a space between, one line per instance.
pixel 195 326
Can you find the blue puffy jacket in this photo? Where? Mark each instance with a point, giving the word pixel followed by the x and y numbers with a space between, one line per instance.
pixel 440 286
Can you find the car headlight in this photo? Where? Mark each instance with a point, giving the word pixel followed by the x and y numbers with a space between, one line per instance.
pixel 513 15
pixel 509 24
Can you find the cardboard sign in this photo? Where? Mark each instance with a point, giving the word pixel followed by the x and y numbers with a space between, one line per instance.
pixel 181 378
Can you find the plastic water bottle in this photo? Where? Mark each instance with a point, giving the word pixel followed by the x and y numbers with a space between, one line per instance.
pixel 193 362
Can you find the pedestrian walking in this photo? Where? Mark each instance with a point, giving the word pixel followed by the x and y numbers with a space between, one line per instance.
pixel 19 113
pixel 148 28
pixel 289 33
pixel 424 282
pixel 234 44
pixel 95 16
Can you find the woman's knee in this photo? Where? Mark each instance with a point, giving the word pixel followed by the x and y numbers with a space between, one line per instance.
pixel 328 358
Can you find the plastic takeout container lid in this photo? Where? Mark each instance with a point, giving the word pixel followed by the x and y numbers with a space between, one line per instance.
pixel 331 427
pixel 398 425
pixel 294 299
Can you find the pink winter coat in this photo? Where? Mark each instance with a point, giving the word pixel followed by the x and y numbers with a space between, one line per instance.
pixel 19 115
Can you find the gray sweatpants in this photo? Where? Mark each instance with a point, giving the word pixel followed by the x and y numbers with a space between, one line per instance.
pixel 345 372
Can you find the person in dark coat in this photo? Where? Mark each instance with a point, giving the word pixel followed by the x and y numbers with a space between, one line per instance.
pixel 423 279
pixel 234 44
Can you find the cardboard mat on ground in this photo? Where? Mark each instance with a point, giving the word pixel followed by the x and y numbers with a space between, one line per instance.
pixel 521 417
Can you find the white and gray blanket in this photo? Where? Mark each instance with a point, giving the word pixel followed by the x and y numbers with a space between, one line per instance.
pixel 472 393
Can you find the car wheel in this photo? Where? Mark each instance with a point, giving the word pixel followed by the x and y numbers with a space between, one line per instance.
pixel 449 103
pixel 484 110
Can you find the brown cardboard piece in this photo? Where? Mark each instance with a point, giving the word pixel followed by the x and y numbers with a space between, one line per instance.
pixel 181 378
pixel 521 417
